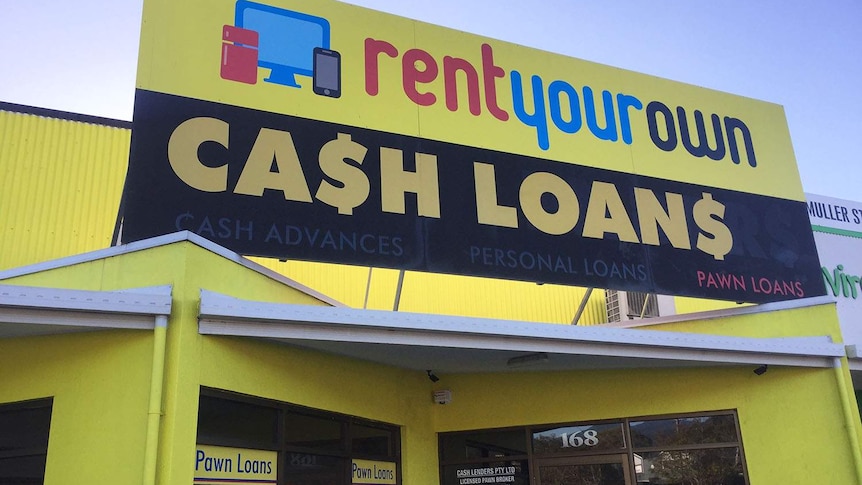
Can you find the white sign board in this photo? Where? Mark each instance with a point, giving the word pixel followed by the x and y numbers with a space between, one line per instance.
pixel 837 226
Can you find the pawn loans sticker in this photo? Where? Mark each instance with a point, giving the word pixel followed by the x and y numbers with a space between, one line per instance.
pixel 367 472
pixel 218 465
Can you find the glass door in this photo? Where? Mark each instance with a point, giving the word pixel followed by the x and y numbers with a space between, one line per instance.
pixel 585 470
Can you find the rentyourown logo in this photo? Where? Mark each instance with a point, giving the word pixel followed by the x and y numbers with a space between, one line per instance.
pixel 288 43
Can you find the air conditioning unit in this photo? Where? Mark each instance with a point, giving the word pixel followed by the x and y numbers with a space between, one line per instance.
pixel 623 306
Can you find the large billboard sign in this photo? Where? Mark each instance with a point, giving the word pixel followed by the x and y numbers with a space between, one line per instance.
pixel 324 131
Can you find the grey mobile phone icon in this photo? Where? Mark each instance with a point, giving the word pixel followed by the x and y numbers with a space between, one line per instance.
pixel 327 72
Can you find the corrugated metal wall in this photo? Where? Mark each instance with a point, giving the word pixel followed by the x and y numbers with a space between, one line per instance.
pixel 446 294
pixel 60 186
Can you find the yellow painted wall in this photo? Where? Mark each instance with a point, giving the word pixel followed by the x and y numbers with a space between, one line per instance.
pixel 100 383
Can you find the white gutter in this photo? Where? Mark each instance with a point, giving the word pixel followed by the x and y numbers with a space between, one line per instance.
pixel 154 410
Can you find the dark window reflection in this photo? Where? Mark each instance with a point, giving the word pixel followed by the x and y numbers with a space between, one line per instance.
pixel 23 470
pixel 24 429
pixel 683 431
pixel 483 444
pixel 317 432
pixel 368 440
pixel 586 474
pixel 306 469
pixel 235 422
pixel 717 466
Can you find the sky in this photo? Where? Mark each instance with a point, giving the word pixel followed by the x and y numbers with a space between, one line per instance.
pixel 80 56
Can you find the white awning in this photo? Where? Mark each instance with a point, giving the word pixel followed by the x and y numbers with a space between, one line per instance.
pixel 29 311
pixel 449 344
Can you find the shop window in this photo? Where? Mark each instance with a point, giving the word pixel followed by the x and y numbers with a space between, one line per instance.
pixel 583 473
pixel 491 456
pixel 313 447
pixel 306 469
pixel 689 449
pixel 702 449
pixel 371 440
pixel 237 423
pixel 24 429
pixel 482 445
pixel 323 433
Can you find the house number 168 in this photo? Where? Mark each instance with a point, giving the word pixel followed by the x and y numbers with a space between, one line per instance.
pixel 575 440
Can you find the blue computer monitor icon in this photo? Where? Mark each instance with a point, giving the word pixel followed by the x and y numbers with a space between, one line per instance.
pixel 287 39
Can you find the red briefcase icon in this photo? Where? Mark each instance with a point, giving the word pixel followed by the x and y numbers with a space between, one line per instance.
pixel 239 54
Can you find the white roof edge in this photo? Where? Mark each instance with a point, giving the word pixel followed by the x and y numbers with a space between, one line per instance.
pixel 226 310
pixel 139 301
pixel 431 339
pixel 728 312
pixel 164 241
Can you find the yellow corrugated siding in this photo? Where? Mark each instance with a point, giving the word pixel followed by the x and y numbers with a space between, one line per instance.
pixel 446 294
pixel 691 305
pixel 60 187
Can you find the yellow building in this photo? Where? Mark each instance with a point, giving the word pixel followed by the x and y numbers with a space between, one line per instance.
pixel 172 360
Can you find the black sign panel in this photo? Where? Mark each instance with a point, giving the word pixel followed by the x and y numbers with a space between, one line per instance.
pixel 266 184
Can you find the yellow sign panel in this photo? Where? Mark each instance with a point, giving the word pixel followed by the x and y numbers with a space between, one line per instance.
pixel 343 64
pixel 366 472
pixel 219 464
